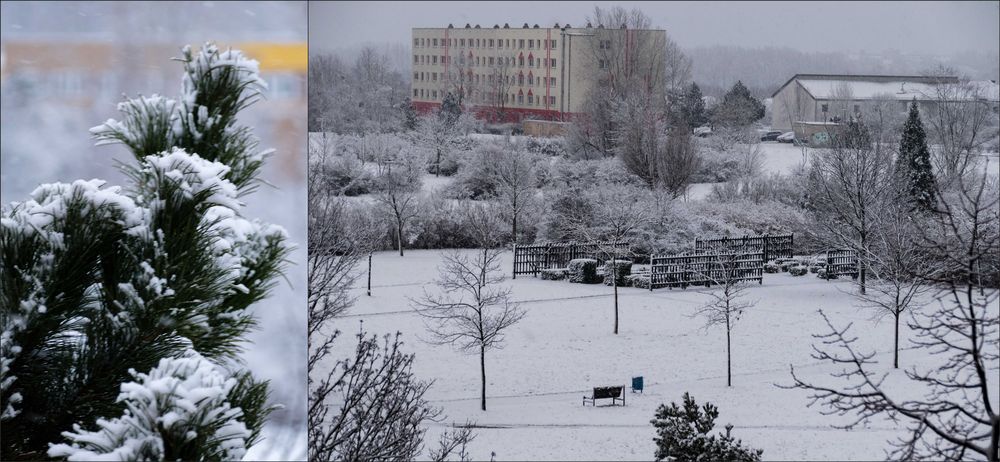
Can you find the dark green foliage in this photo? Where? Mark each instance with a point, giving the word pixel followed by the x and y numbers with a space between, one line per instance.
pixel 913 165
pixel 119 281
pixel 682 435
pixel 693 107
pixel 410 119
pixel 451 108
pixel 583 270
pixel 738 108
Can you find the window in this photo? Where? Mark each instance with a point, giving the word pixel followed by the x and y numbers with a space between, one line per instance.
pixel 520 99
pixel 415 92
pixel 553 81
pixel 520 79
pixel 416 43
pixel 531 99
pixel 521 61
pixel 531 44
pixel 461 42
pixel 602 63
pixel 824 108
pixel 491 43
pixel 491 60
pixel 552 100
pixel 416 76
pixel 434 76
pixel 521 44
pixel 434 94
pixel 531 61
pixel 605 45
pixel 508 43
pixel 553 44
pixel 435 59
pixel 435 42
pixel 415 59
pixel 553 62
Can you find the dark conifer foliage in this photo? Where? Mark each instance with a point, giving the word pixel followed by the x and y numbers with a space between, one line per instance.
pixel 914 162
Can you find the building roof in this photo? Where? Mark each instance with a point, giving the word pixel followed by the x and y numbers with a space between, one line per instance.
pixel 865 87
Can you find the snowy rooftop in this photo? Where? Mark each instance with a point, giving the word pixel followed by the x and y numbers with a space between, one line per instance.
pixel 869 87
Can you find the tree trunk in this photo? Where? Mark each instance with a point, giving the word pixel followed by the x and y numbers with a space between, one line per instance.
pixel 895 349
pixel 437 167
pixel 399 237
pixel 513 228
pixel 729 371
pixel 614 282
pixel 369 274
pixel 861 276
pixel 482 370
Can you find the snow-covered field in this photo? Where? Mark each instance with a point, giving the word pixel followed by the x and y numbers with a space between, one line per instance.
pixel 565 346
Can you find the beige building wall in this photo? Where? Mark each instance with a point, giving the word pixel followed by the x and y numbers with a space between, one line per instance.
pixel 551 69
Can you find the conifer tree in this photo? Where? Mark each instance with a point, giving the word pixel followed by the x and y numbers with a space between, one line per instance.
pixel 913 165
pixel 694 106
pixel 123 311
pixel 738 108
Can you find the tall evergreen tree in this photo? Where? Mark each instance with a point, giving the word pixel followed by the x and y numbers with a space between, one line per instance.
pixel 694 106
pixel 913 165
pixel 123 311
pixel 410 119
pixel 738 108
pixel 451 108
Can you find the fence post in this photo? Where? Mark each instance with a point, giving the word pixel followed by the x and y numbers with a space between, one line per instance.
pixel 766 254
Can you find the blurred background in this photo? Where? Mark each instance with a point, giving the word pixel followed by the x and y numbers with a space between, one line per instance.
pixel 65 65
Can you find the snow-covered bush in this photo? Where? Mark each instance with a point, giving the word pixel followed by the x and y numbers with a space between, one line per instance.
pixel 823 273
pixel 624 269
pixel 183 409
pixel 771 267
pixel 798 270
pixel 682 433
pixel 553 274
pixel 106 280
pixel 583 270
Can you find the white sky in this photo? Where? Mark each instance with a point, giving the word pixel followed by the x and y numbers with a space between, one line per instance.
pixel 935 28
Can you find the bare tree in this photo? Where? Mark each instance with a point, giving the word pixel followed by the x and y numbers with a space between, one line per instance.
pixel 960 121
pixel 954 418
pixel 397 188
pixel 727 303
pixel 850 183
pixel 899 267
pixel 662 157
pixel 619 212
pixel 472 312
pixel 513 173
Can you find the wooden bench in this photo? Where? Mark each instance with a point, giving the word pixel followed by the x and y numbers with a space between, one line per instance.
pixel 614 393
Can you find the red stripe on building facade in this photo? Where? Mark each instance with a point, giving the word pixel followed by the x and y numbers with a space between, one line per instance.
pixel 548 67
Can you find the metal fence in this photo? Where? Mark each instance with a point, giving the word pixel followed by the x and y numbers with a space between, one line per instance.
pixel 705 269
pixel 532 259
pixel 772 246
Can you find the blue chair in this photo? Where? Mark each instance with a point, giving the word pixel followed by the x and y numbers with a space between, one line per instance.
pixel 637 384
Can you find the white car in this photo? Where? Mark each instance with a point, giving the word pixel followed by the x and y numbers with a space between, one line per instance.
pixel 702 131
pixel 787 137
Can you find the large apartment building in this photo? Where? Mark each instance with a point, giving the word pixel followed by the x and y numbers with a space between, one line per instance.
pixel 509 74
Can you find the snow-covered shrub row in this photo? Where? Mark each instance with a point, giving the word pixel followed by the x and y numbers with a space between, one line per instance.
pixel 798 270
pixel 715 167
pixel 553 274
pixel 771 267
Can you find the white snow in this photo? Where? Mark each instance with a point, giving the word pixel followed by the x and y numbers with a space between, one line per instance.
pixel 565 346
pixel 178 397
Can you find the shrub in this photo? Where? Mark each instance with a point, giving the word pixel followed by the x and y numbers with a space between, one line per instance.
pixel 639 281
pixel 682 434
pixel 822 274
pixel 771 267
pixel 798 270
pixel 583 270
pixel 624 270
pixel 553 274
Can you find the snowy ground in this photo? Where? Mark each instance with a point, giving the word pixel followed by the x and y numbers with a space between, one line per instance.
pixel 565 346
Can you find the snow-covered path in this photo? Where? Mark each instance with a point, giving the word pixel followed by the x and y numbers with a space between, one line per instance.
pixel 565 346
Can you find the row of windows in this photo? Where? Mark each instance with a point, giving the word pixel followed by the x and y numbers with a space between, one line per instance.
pixel 485 43
pixel 489 78
pixel 480 61
pixel 484 97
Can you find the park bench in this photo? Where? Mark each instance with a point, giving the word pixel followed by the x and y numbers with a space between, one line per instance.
pixel 614 393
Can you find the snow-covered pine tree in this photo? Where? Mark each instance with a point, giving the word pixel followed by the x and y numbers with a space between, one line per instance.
pixel 914 162
pixel 124 310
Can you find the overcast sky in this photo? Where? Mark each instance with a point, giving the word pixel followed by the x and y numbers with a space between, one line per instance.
pixel 936 28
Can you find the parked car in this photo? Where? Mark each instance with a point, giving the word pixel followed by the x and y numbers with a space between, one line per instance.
pixel 787 137
pixel 702 132
pixel 770 136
